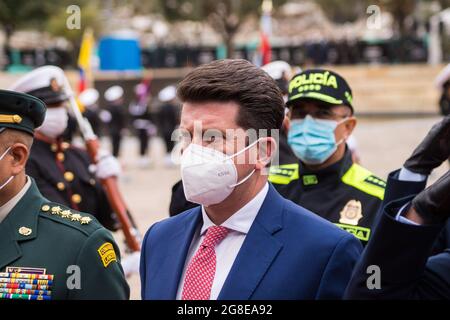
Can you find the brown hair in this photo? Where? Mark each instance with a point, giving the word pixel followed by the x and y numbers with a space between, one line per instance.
pixel 257 94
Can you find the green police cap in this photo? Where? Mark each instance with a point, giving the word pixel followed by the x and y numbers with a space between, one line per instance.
pixel 320 84
pixel 20 111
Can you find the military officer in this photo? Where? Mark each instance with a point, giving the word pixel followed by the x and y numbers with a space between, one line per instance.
pixel 281 72
pixel 116 121
pixel 325 179
pixel 89 99
pixel 47 250
pixel 64 173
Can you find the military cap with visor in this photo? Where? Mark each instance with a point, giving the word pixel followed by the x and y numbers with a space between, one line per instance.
pixel 46 83
pixel 20 111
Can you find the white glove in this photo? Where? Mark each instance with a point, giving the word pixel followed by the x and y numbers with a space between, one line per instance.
pixel 131 263
pixel 107 166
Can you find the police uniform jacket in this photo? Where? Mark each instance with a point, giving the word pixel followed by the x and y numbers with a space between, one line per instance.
pixel 344 193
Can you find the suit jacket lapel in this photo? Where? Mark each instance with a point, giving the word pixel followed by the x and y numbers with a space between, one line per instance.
pixel 171 269
pixel 258 251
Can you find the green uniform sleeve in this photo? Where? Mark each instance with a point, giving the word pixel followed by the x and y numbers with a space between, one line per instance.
pixel 102 276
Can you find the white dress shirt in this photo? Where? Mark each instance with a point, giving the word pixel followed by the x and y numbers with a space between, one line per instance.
pixel 226 251
pixel 406 175
pixel 7 207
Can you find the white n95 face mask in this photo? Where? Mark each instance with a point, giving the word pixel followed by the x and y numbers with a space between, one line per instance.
pixel 55 122
pixel 209 176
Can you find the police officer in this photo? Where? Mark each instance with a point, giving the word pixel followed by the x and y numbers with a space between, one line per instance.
pixel 117 118
pixel 325 179
pixel 42 243
pixel 63 172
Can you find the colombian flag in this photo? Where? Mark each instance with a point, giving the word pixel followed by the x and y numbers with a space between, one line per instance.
pixel 84 59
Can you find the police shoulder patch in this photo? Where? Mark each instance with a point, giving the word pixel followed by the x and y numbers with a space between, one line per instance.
pixel 283 174
pixel 375 181
pixel 107 253
pixel 363 180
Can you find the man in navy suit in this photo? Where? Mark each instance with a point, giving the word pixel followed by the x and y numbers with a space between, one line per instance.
pixel 244 241
pixel 408 228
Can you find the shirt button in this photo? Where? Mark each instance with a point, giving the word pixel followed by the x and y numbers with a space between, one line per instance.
pixel 61 186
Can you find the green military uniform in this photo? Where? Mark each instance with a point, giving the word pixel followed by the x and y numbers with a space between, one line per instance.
pixel 48 251
pixel 48 237
pixel 344 193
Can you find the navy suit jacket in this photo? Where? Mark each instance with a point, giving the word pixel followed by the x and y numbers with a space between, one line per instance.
pixel 288 253
pixel 402 252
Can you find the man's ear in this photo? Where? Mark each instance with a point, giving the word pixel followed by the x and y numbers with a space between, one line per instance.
pixel 267 148
pixel 287 121
pixel 350 125
pixel 19 153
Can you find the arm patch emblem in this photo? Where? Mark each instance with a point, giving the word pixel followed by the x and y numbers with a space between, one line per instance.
pixel 107 253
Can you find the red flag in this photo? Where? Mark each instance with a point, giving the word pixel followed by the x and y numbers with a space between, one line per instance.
pixel 265 49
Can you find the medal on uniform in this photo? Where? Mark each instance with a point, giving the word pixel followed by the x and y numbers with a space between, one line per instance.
pixel 26 283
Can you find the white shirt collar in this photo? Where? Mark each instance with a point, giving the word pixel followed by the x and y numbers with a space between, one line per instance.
pixel 7 207
pixel 241 220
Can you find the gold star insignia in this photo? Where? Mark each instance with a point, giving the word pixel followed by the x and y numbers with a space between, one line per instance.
pixel 66 213
pixel 56 210
pixel 76 217
pixel 85 220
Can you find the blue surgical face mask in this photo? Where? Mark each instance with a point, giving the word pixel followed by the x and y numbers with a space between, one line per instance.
pixel 313 140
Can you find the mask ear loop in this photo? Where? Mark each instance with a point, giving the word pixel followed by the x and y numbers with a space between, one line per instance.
pixel 251 173
pixel 242 151
pixel 10 178
pixel 4 153
pixel 243 180
pixel 343 139
pixel 7 181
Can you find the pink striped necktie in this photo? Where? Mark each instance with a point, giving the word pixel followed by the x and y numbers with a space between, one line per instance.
pixel 202 268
